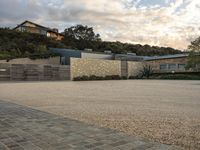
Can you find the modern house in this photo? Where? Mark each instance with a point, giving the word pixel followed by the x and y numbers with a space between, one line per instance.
pixel 65 55
pixel 169 63
pixel 70 64
pixel 160 64
pixel 28 26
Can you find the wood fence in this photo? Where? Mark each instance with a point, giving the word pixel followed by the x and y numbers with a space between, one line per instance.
pixel 33 72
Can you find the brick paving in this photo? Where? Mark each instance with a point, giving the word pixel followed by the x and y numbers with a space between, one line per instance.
pixel 24 128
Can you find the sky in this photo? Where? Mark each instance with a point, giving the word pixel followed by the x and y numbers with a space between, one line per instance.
pixel 168 23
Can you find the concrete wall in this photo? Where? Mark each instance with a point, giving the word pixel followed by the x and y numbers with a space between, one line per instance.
pixel 97 67
pixel 66 54
pixel 134 68
pixel 51 60
pixel 96 56
pixel 33 72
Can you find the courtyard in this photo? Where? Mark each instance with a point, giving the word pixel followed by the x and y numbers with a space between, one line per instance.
pixel 161 111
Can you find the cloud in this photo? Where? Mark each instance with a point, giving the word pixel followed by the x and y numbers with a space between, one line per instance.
pixel 164 23
pixel 14 11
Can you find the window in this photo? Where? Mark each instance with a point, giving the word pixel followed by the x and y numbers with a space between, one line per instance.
pixel 62 60
pixel 23 29
pixel 163 67
pixel 181 66
pixel 48 34
pixel 172 66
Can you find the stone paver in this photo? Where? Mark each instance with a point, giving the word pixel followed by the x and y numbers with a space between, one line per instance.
pixel 22 128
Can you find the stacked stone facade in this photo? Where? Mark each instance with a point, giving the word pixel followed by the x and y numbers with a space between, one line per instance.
pixel 88 67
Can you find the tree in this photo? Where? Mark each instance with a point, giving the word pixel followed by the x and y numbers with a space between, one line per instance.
pixel 147 71
pixel 81 37
pixel 195 45
pixel 194 56
pixel 80 32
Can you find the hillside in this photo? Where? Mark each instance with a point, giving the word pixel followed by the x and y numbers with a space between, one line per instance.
pixel 14 44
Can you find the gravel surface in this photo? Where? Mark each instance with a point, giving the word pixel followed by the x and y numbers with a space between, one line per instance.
pixel 164 111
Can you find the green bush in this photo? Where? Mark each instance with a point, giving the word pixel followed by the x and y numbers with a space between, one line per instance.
pixel 82 78
pixel 42 55
pixel 177 77
pixel 93 77
pixel 4 56
pixel 113 77
pixel 135 77
pixel 146 72
pixel 124 78
pixel 163 77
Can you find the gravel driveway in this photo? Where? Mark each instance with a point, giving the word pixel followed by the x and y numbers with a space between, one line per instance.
pixel 164 111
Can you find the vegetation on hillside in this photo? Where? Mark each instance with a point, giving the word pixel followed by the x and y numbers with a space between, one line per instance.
pixel 14 44
pixel 81 37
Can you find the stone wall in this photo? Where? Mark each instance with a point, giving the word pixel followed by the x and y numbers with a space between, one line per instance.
pixel 51 60
pixel 134 68
pixel 87 67
pixel 33 72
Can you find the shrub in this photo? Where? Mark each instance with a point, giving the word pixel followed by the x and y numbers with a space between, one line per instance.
pixel 147 71
pixel 93 77
pixel 42 55
pixel 124 78
pixel 4 56
pixel 82 78
pixel 135 77
pixel 113 77
pixel 177 77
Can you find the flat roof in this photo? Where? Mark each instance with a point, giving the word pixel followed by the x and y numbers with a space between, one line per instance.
pixel 81 51
pixel 145 58
pixel 165 57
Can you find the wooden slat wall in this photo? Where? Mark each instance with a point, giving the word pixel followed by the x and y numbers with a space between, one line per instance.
pixel 17 72
pixel 33 72
pixel 4 72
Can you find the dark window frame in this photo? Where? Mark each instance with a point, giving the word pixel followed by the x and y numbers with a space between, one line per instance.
pixel 181 68
pixel 163 68
pixel 172 68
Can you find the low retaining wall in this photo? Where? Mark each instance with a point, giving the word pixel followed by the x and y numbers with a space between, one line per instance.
pixel 88 67
pixel 33 72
